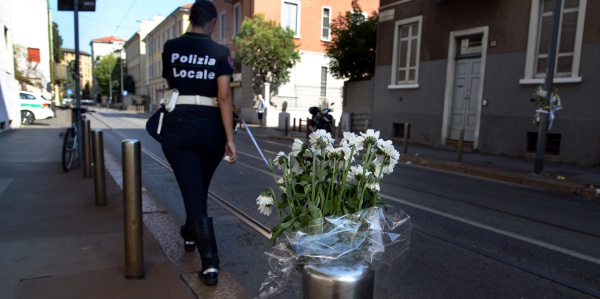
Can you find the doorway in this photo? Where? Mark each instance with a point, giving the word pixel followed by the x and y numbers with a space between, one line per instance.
pixel 464 86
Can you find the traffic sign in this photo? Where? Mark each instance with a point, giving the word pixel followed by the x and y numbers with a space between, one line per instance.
pixel 84 5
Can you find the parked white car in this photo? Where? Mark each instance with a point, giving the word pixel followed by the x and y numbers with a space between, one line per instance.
pixel 34 106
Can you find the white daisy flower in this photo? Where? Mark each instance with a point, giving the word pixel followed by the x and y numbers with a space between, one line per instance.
pixel 280 160
pixel 370 137
pixel 352 139
pixel 264 202
pixel 297 147
pixel 320 138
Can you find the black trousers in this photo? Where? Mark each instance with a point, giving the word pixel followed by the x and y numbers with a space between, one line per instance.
pixel 193 141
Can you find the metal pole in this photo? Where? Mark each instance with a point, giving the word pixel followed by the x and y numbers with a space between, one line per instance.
pixel 548 86
pixel 460 145
pixel 300 125
pixel 99 172
pixel 405 143
pixel 132 208
pixel 87 152
pixel 294 125
pixel 286 125
pixel 121 96
pixel 77 83
pixel 308 127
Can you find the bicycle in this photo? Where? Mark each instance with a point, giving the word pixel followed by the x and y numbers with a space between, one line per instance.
pixel 70 148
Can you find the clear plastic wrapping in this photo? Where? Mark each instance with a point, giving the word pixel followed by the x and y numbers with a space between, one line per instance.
pixel 379 235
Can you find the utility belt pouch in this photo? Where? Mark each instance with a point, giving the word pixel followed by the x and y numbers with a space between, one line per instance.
pixel 170 99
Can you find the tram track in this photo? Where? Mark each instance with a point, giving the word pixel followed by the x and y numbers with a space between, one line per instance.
pixel 260 228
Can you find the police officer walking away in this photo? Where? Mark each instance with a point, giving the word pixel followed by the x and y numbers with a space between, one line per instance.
pixel 198 133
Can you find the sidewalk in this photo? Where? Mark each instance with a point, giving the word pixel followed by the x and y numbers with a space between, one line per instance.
pixel 56 243
pixel 569 179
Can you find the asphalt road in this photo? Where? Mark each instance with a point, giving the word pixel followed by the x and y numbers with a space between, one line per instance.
pixel 471 237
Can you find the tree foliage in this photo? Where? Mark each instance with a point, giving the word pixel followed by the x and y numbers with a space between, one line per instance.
pixel 105 71
pixel 353 45
pixel 268 48
pixel 57 42
pixel 109 68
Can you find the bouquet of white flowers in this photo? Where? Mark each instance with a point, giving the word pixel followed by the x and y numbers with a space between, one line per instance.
pixel 330 208
pixel 321 180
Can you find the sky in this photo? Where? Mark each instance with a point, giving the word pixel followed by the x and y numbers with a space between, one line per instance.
pixel 112 18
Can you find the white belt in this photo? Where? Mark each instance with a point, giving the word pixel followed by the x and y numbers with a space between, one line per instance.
pixel 197 100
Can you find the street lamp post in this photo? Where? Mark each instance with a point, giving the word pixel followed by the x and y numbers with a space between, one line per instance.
pixel 122 99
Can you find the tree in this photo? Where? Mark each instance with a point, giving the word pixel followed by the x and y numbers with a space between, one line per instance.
pixel 268 48
pixel 104 72
pixel 353 44
pixel 57 42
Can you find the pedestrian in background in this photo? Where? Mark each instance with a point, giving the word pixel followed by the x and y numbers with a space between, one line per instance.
pixel 260 109
pixel 197 134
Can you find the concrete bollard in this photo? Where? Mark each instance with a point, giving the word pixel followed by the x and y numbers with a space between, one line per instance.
pixel 339 279
pixel 86 146
pixel 132 208
pixel 99 171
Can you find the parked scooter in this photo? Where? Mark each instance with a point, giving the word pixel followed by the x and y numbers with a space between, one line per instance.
pixel 321 119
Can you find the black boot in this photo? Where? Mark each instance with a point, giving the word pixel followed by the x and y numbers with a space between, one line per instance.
pixel 188 240
pixel 204 235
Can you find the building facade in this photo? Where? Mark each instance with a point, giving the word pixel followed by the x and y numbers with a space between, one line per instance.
pixel 135 49
pixel 473 66
pixel 172 26
pixel 311 83
pixel 85 65
pixel 9 96
pixel 31 35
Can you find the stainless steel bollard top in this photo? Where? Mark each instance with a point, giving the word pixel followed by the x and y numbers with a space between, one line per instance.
pixel 340 279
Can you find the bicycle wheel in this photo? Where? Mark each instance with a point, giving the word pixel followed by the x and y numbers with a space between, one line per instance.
pixel 69 149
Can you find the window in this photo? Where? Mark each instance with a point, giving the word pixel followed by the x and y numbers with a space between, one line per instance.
pixel 405 62
pixel 323 81
pixel 290 16
pixel 179 28
pixel 33 55
pixel 325 24
pixel 568 49
pixel 222 26
pixel 237 19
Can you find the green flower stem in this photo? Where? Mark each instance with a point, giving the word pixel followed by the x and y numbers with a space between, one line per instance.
pixel 330 188
pixel 344 178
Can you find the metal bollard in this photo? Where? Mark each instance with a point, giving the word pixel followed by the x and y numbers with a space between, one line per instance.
pixel 87 152
pixel 300 125
pixel 99 172
pixel 286 125
pixel 308 124
pixel 132 208
pixel 405 143
pixel 294 125
pixel 460 145
pixel 333 129
pixel 339 279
